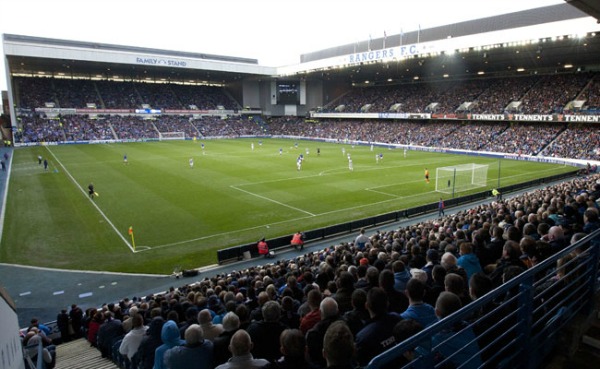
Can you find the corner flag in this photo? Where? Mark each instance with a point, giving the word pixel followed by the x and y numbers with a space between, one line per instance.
pixel 131 234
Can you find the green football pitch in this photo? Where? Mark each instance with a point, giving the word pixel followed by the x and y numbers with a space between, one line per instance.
pixel 233 195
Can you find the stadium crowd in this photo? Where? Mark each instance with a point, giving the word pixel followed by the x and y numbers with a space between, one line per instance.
pixel 543 94
pixel 546 94
pixel 341 306
pixel 558 140
pixel 369 294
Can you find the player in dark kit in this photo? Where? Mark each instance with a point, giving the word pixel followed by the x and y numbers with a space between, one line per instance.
pixel 91 190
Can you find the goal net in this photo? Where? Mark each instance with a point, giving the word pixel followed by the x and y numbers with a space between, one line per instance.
pixel 460 178
pixel 163 136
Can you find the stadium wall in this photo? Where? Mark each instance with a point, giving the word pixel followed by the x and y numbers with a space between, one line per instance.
pixel 10 342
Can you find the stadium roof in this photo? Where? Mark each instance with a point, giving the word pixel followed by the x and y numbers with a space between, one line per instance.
pixel 43 56
pixel 591 7
pixel 550 39
pixel 544 40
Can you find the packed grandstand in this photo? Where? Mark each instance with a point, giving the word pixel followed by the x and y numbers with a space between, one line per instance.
pixel 393 289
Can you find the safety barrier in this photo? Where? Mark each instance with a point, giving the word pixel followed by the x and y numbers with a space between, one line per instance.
pixel 514 326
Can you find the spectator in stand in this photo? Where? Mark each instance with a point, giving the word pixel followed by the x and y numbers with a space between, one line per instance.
pixel 417 309
pixel 292 347
pixel 196 353
pixel 398 302
pixel 132 340
pixel 439 275
pixel 289 313
pixel 343 295
pixel 359 315
pixel 210 330
pixel 35 323
pixel 241 347
pixel 32 341
pixel 401 275
pixel 314 316
pixel 468 260
pixel 314 337
pixel 191 317
pixel 231 324
pixel 510 257
pixel 63 324
pixel 455 284
pixel 458 344
pixel 151 341
pixel 591 220
pixel 377 336
pixel 361 240
pixel 109 332
pixel 93 328
pixel 449 262
pixel 338 346
pixel 432 259
pixel 265 333
pixel 170 338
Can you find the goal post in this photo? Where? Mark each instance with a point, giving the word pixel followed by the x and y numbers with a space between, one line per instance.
pixel 459 178
pixel 163 136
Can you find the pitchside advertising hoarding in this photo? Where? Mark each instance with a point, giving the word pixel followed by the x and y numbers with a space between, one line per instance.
pixel 567 118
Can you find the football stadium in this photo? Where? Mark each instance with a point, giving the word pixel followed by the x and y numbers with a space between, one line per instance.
pixel 425 199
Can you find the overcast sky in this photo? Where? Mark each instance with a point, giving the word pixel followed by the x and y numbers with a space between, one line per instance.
pixel 275 32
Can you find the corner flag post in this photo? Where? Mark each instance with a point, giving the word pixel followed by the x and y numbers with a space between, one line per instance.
pixel 132 239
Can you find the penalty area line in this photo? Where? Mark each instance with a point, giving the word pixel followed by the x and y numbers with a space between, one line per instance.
pixel 273 201
pixel 90 200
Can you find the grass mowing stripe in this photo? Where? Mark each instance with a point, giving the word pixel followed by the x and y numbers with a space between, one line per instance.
pixel 90 200
pixel 184 215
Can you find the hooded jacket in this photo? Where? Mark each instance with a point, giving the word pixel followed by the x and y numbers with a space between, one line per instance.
pixel 170 337
pixel 470 263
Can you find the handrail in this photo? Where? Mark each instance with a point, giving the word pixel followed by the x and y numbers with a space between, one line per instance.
pixel 520 331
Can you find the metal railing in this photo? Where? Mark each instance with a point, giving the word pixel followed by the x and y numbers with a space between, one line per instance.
pixel 514 326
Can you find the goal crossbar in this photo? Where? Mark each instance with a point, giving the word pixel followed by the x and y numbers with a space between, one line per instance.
pixel 162 136
pixel 459 178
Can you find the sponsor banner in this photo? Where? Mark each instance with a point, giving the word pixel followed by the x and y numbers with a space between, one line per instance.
pixel 371 115
pixel 532 117
pixel 147 111
pixel 103 111
pixel 55 110
pixel 185 112
pixel 162 62
pixel 494 117
pixel 582 118
pixel 444 116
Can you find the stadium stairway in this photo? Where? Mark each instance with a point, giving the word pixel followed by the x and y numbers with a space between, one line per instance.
pixel 79 354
